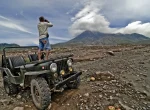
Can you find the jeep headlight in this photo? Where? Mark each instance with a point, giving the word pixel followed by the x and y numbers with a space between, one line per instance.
pixel 70 69
pixel 69 62
pixel 53 67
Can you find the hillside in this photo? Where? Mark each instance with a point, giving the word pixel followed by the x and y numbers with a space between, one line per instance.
pixel 2 45
pixel 97 38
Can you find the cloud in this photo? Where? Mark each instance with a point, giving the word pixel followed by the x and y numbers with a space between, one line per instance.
pixel 89 18
pixel 2 17
pixel 20 18
pixel 136 27
pixel 117 11
pixel 100 15
pixel 7 23
pixel 25 41
pixel 59 38
pixel 29 3
pixel 14 26
pixel 21 35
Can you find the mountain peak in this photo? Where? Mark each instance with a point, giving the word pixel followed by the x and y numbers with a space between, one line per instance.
pixel 98 38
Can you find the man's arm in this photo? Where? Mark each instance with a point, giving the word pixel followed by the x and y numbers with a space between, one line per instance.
pixel 49 24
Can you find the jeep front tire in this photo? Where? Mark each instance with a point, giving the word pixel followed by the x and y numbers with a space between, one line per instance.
pixel 40 92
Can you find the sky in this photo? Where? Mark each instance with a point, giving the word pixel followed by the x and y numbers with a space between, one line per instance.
pixel 19 18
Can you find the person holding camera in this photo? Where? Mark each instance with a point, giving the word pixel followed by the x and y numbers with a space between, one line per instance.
pixel 44 44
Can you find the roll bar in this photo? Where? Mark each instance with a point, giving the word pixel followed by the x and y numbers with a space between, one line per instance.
pixel 21 47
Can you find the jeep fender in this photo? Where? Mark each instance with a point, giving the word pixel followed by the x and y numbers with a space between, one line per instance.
pixel 13 79
pixel 30 75
pixel 6 71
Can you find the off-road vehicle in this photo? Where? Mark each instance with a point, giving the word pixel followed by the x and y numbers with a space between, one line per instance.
pixel 43 77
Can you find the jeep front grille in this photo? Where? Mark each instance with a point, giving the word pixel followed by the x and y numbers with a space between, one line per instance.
pixel 62 65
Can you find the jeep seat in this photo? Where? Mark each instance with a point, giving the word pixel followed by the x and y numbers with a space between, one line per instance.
pixel 15 63
pixel 33 57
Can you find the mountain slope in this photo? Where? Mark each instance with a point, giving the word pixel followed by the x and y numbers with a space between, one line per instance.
pixel 97 38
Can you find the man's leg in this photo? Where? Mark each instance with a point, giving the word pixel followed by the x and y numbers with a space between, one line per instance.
pixel 47 54
pixel 47 48
pixel 39 55
pixel 41 46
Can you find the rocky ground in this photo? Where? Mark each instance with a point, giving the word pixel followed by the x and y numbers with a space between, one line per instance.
pixel 114 78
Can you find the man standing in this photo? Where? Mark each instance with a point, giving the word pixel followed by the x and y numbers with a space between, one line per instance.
pixel 43 37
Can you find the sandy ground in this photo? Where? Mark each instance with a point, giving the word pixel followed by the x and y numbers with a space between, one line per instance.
pixel 121 80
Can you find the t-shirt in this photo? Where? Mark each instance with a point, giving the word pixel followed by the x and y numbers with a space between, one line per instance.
pixel 43 29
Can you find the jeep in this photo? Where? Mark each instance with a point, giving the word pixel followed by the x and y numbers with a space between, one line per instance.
pixel 43 77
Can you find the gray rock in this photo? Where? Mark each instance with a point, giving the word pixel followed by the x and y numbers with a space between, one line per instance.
pixel 100 96
pixel 19 96
pixel 110 53
pixel 5 102
pixel 125 106
pixel 110 97
pixel 18 108
pixel 87 94
pixel 83 70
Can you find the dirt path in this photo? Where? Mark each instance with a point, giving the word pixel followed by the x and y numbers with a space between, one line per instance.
pixel 122 81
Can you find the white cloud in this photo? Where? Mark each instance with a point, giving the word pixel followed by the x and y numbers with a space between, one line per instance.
pixel 97 15
pixel 33 3
pixel 23 41
pixel 116 10
pixel 136 27
pixel 2 17
pixel 7 23
pixel 59 38
pixel 14 26
pixel 89 18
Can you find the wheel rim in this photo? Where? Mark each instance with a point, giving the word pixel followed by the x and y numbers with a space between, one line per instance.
pixel 36 94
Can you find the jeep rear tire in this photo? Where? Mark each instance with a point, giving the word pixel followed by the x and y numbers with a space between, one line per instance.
pixel 9 87
pixel 74 84
pixel 40 92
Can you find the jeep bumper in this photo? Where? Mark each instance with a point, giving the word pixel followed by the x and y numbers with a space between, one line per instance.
pixel 72 77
